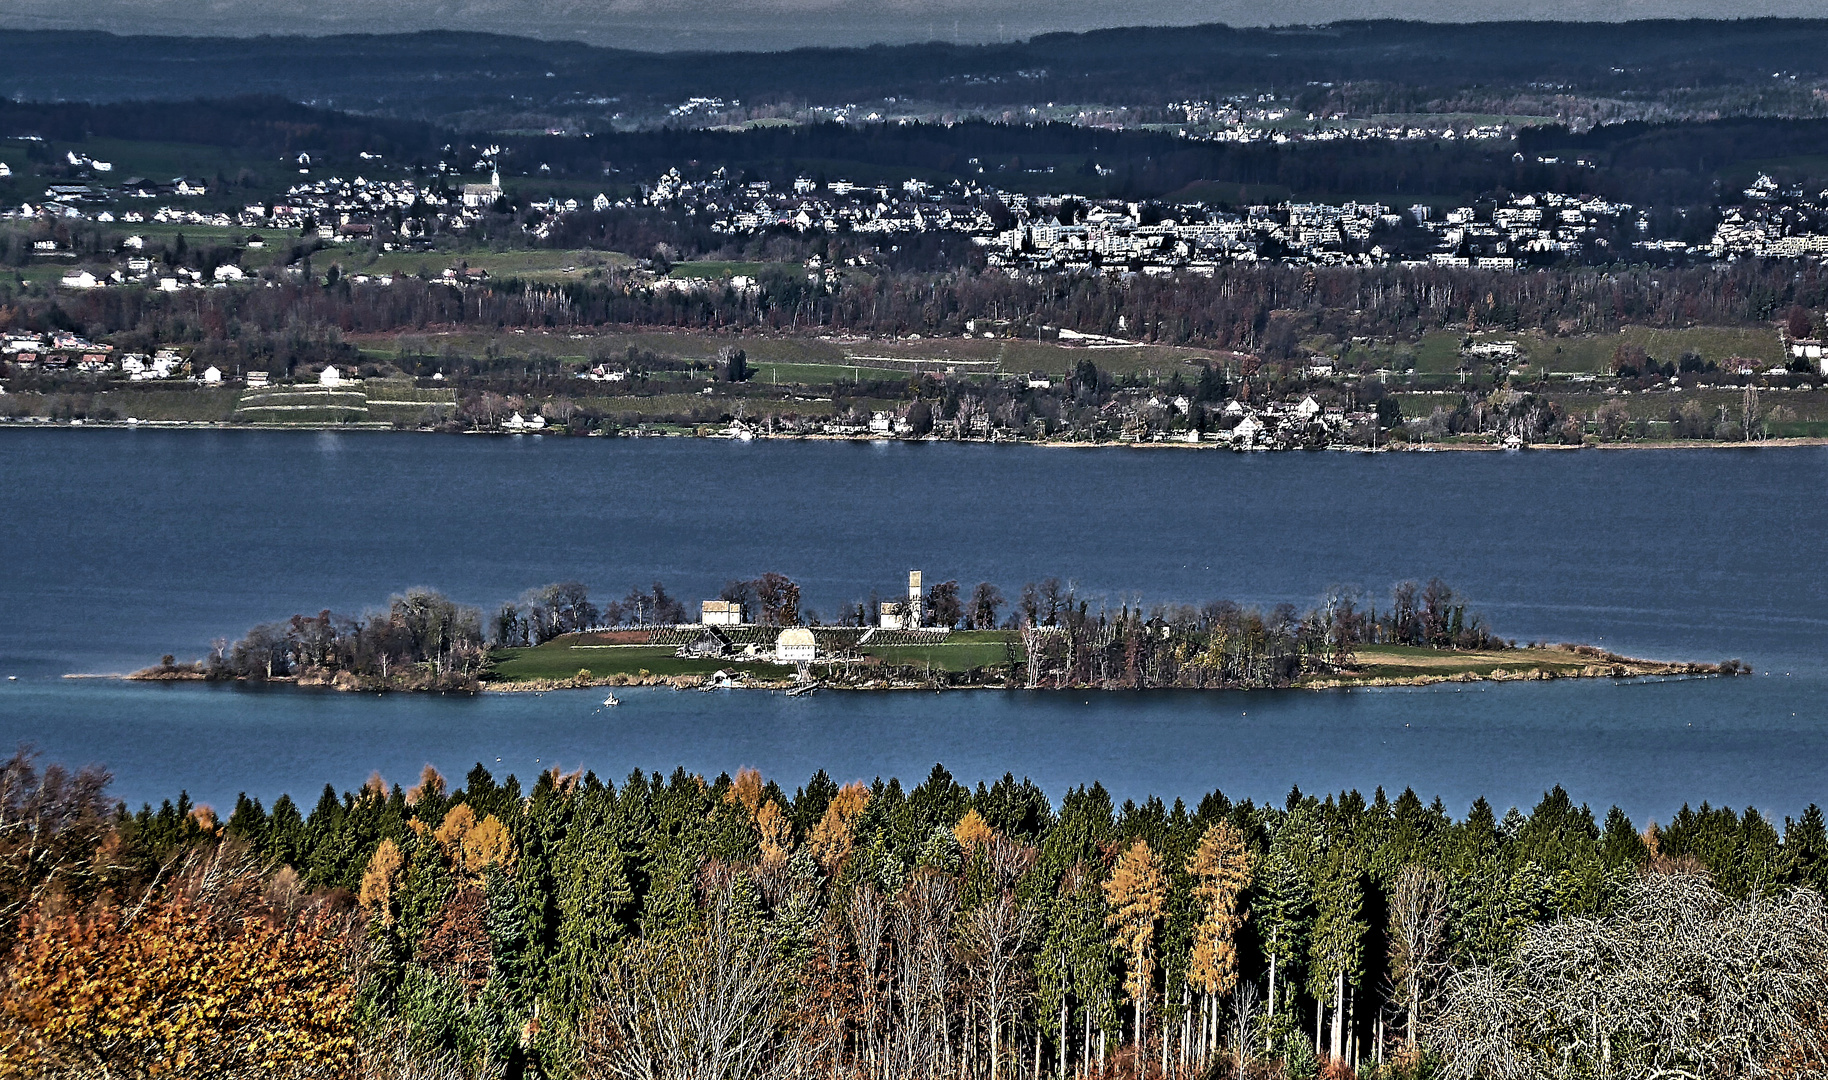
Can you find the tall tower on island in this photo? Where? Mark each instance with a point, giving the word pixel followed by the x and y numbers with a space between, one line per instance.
pixel 916 617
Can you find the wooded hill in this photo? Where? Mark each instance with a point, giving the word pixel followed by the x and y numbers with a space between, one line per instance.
pixel 427 75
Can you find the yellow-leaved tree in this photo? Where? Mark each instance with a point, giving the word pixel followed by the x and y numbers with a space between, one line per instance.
pixel 380 881
pixel 1221 872
pixel 179 987
pixel 774 832
pixel 487 844
pixel 973 833
pixel 1136 891
pixel 835 833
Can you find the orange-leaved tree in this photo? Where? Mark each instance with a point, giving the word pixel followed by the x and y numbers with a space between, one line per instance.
pixel 835 833
pixel 193 981
pixel 1136 891
pixel 1221 872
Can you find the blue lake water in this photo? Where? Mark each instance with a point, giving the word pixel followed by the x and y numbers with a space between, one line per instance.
pixel 118 546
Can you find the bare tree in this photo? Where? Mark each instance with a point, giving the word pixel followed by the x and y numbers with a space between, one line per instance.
pixel 51 823
pixel 866 917
pixel 699 1003
pixel 1418 937
pixel 1245 1011
pixel 1682 982
pixel 994 935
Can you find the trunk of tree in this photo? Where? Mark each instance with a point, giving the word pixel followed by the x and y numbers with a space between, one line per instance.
pixel 1339 1014
pixel 1380 1038
pixel 1062 1035
pixel 1167 1033
pixel 994 1025
pixel 1186 1023
pixel 1273 964
pixel 1409 1022
pixel 1320 1019
pixel 1351 1029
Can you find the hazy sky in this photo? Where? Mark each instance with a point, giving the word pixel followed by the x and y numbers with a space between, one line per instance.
pixel 774 24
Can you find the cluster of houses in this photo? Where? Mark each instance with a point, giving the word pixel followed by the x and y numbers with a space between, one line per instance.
pixel 1262 119
pixel 1069 232
pixel 1139 416
pixel 1773 222
pixel 27 352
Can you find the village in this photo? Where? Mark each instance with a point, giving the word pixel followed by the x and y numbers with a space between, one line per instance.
pixel 1015 232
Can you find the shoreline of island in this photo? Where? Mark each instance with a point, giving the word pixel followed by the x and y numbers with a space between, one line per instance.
pixel 1539 664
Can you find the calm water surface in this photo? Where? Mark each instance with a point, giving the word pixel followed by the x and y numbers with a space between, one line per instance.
pixel 116 547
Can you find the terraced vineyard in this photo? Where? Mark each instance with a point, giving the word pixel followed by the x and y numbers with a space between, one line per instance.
pixel 377 403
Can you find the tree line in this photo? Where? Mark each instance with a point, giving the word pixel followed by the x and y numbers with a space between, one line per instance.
pixel 1263 310
pixel 684 926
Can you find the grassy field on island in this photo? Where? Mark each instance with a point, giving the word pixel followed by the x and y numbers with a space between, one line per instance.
pixel 1377 662
pixel 560 660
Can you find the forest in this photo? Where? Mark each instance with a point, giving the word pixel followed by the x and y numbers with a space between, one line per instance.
pixel 1665 164
pixel 674 927
pixel 1266 310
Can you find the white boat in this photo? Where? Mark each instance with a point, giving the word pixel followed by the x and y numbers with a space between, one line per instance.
pixel 611 700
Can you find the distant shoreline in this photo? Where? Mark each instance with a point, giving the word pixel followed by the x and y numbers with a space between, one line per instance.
pixel 1408 448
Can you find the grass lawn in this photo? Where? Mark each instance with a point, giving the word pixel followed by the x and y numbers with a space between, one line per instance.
pixel 1403 661
pixel 712 269
pixel 559 660
pixel 563 659
pixel 1593 353
pixel 1438 353
pixel 528 265
pixel 952 656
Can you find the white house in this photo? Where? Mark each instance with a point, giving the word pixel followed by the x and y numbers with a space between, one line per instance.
pixel 720 613
pixel 81 279
pixel 519 423
pixel 229 272
pixel 796 645
pixel 212 374
pixel 1308 409
pixel 330 376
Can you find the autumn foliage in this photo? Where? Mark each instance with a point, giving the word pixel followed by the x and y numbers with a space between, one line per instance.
pixel 205 979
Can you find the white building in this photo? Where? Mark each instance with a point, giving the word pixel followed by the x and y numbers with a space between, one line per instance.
pixel 212 374
pixel 796 645
pixel 720 613
pixel 330 376
pixel 908 615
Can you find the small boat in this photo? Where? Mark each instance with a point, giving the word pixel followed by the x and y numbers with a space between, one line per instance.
pixel 611 700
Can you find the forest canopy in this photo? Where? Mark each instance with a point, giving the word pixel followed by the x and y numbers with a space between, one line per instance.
pixel 684 926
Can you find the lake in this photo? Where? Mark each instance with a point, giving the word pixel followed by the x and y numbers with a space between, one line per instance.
pixel 119 546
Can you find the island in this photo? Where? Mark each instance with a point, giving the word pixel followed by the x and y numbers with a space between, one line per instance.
pixel 757 635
